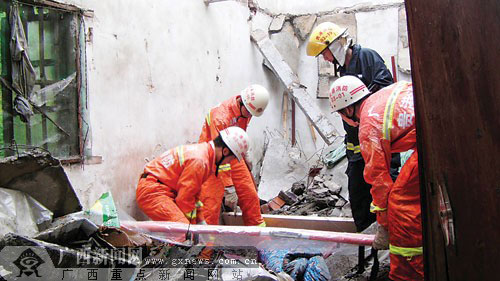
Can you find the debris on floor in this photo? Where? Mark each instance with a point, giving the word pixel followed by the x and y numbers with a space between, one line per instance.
pixel 322 197
pixel 63 239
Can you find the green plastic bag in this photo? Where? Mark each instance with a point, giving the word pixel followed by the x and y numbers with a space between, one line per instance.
pixel 104 212
pixel 333 157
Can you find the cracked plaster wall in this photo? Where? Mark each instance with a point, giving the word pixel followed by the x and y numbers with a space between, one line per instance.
pixel 156 67
pixel 380 25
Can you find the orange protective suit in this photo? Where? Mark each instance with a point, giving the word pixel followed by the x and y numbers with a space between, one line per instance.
pixel 170 185
pixel 387 125
pixel 236 173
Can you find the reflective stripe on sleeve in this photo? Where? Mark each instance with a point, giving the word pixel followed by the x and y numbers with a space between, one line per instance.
pixel 389 111
pixel 208 118
pixel 225 167
pixel 406 252
pixel 374 208
pixel 198 204
pixel 355 148
pixel 180 153
pixel 263 224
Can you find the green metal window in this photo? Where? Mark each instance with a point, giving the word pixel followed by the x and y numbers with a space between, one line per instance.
pixel 54 50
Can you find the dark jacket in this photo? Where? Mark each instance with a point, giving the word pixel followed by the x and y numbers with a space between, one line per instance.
pixel 368 66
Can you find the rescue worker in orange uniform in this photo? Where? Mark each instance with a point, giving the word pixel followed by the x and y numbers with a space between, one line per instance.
pixel 236 111
pixel 336 46
pixel 386 121
pixel 170 185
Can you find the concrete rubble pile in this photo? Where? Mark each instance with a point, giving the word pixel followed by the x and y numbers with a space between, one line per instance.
pixel 321 198
pixel 322 192
pixel 62 241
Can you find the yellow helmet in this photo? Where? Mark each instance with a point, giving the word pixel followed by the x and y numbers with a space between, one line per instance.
pixel 322 36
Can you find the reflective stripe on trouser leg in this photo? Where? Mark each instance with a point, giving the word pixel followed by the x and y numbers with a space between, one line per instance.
pixel 407 269
pixel 404 219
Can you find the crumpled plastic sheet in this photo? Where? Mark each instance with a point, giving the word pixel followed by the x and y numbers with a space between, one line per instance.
pixel 21 214
pixel 48 93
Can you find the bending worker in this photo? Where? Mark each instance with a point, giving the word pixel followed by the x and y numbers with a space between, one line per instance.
pixel 386 125
pixel 336 46
pixel 236 111
pixel 170 185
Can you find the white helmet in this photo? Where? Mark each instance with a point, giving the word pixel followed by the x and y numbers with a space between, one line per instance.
pixel 255 98
pixel 236 139
pixel 346 91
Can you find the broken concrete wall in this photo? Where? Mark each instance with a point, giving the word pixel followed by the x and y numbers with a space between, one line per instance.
pixel 155 68
pixel 364 22
pixel 150 82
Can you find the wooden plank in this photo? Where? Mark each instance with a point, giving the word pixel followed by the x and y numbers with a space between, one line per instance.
pixel 291 81
pixel 454 61
pixel 285 115
pixel 298 222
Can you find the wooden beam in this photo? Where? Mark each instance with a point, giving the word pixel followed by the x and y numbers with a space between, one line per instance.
pixel 285 115
pixel 291 81
pixel 336 224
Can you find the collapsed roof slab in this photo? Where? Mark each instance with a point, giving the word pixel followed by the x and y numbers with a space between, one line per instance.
pixel 291 81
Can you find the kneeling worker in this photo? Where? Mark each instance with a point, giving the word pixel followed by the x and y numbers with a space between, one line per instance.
pixel 170 185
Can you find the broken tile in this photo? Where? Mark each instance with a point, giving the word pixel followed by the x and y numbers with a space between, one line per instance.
pixel 277 23
pixel 276 203
pixel 289 197
pixel 304 25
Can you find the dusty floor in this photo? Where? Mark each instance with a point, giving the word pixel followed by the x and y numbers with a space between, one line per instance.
pixel 341 264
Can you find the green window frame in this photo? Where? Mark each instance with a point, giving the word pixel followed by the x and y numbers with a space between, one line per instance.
pixel 57 95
